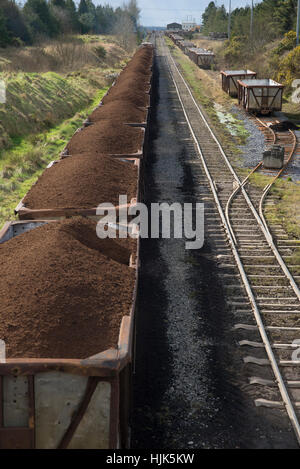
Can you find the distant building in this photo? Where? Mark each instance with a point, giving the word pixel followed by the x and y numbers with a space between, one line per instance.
pixel 188 25
pixel 174 26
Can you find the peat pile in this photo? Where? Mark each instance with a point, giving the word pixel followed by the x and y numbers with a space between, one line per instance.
pixel 119 111
pixel 126 102
pixel 134 95
pixel 63 291
pixel 133 83
pixel 83 181
pixel 108 138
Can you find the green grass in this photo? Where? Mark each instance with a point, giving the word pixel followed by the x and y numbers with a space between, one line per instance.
pixel 37 102
pixel 24 162
pixel 286 209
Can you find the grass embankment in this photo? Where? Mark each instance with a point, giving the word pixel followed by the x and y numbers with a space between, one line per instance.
pixel 43 110
pixel 23 163
pixel 207 90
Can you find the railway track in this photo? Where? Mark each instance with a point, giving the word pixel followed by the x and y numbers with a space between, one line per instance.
pixel 262 290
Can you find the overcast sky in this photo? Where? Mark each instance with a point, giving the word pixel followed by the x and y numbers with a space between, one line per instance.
pixel 161 12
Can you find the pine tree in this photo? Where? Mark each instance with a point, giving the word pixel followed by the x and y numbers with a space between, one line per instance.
pixel 83 8
pixel 4 35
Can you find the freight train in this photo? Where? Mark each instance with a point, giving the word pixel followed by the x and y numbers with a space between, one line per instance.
pixel 68 297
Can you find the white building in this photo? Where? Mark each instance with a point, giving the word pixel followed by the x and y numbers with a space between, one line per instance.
pixel 188 25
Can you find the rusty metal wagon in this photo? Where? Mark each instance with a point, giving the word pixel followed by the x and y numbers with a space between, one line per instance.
pixel 185 45
pixel 67 403
pixel 230 80
pixel 201 57
pixel 260 96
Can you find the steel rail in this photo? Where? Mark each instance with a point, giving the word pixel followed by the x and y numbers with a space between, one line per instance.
pixel 263 218
pixel 268 347
pixel 235 192
pixel 268 187
pixel 260 222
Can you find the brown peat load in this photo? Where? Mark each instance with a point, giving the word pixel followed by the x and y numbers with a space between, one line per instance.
pixel 70 291
pixel 136 77
pixel 120 111
pixel 83 182
pixel 137 97
pixel 65 293
pixel 107 138
pixel 140 65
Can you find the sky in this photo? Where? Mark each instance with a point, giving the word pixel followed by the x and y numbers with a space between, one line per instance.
pixel 162 12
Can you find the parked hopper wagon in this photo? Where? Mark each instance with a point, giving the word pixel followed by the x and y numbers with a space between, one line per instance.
pixel 185 45
pixel 260 96
pixel 230 80
pixel 176 38
pixel 201 57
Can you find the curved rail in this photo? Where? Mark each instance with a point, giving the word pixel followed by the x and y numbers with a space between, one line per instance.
pixel 268 347
pixel 268 187
pixel 235 192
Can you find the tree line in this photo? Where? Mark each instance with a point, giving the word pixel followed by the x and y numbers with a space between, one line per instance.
pixel 272 18
pixel 38 19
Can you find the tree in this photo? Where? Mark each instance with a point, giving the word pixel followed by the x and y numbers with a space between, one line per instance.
pixel 72 16
pixel 83 8
pixel 133 11
pixel 40 18
pixel 209 16
pixel 4 35
pixel 14 21
pixel 125 31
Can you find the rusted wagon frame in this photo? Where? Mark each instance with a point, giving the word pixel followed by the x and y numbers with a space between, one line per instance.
pixel 89 122
pixel 230 80
pixel 250 100
pixel 112 366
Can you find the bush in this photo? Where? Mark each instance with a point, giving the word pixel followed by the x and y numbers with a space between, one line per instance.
pixel 234 49
pixel 100 52
pixel 289 67
pixel 287 43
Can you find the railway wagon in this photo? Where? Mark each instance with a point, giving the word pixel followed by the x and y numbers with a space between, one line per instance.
pixel 260 96
pixel 230 80
pixel 185 45
pixel 67 403
pixel 176 38
pixel 201 57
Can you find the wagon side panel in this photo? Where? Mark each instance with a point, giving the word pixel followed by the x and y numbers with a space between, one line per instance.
pixel 93 430
pixel 57 397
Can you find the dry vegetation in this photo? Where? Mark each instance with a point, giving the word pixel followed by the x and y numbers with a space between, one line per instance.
pixel 63 55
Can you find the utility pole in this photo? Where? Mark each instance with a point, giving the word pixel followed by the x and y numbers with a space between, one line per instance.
pixel 298 22
pixel 251 22
pixel 229 21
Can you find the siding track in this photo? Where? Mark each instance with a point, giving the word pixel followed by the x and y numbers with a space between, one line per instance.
pixel 254 270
